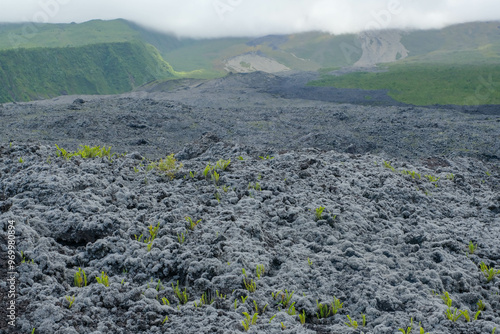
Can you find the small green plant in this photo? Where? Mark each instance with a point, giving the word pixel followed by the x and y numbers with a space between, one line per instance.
pixel 324 311
pixel 259 270
pixel 217 196
pixel 255 186
pixel 480 305
pixel 387 165
pixel 309 262
pixel 192 174
pixel 215 178
pixel 450 176
pixel 182 237
pixel 241 158
pixel 103 279
pixel 70 300
pixel 285 298
pixel 271 319
pixel 165 301
pixel 192 224
pixel 266 157
pixel 182 296
pixel 21 160
pixel 136 170
pixel 165 320
pixel 319 212
pixel 283 327
pixel 24 260
pixel 291 309
pixel 168 166
pixel 364 319
pixel 249 320
pixel 86 152
pixel 489 272
pixel 408 329
pixel 250 286
pixel 493 332
pixel 351 323
pixel 235 304
pixel 207 171
pixel 225 188
pixel 33 331
pixel 302 317
pixel 80 278
pixel 472 247
pixel 203 300
pixel 222 164
pixel 159 286
pixel 220 295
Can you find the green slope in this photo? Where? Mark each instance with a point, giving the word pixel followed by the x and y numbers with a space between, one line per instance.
pixel 110 68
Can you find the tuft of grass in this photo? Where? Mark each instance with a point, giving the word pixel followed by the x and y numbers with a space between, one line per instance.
pixel 80 278
pixel 103 279
pixel 183 296
pixel 165 301
pixel 489 272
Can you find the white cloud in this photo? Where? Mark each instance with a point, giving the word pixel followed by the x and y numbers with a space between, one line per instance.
pixel 211 18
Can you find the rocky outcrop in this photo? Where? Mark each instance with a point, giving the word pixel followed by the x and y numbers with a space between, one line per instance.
pixel 381 47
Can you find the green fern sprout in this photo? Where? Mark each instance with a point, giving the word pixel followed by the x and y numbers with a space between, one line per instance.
pixel 302 317
pixel 388 165
pixel 182 296
pixel 169 166
pixel 250 286
pixel 489 272
pixel 472 247
pixel 351 323
pixel 259 270
pixel 80 278
pixel 480 305
pixel 70 300
pixel 323 310
pixel 182 237
pixel 104 279
pixel 285 298
pixel 319 212
pixel 192 224
pixel 408 329
pixel 215 178
pixel 249 320
pixel 207 170
pixel 222 164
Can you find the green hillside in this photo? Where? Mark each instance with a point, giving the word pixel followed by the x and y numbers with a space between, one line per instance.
pixel 111 68
pixel 104 57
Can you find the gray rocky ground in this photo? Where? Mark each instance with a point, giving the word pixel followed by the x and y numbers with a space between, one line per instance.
pixel 386 243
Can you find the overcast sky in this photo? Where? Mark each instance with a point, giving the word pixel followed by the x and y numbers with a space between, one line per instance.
pixel 216 18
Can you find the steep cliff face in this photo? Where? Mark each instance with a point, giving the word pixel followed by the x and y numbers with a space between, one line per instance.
pixel 381 47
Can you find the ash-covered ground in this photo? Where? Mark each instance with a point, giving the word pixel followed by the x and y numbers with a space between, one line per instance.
pixel 406 191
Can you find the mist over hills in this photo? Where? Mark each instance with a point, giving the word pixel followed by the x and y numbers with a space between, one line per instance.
pixel 109 57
